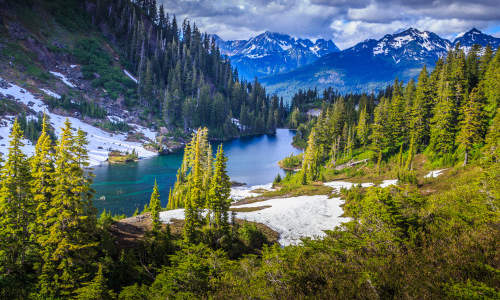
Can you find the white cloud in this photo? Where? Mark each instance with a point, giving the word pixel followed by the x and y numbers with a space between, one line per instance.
pixel 347 22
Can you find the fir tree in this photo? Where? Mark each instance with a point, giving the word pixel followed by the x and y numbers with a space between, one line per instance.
pixel 96 289
pixel 155 207
pixel 16 212
pixel 471 124
pixel 69 245
pixel 218 199
pixel 362 131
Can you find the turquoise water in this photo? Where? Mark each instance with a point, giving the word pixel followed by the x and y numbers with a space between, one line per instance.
pixel 251 160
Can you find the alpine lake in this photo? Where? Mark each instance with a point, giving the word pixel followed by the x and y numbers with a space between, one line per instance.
pixel 123 188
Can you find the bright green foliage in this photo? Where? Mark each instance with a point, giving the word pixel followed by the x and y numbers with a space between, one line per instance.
pixel 397 121
pixel 492 147
pixel 421 110
pixel 42 171
pixel 443 123
pixel 69 245
pixel 379 127
pixel 96 289
pixel 16 214
pixel 218 197
pixel 197 157
pixel 195 193
pixel 195 271
pixel 155 207
pixel 471 126
pixel 362 130
pixel 491 82
pixel 312 158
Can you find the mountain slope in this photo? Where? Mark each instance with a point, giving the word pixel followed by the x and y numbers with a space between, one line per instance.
pixel 372 64
pixel 121 67
pixel 272 53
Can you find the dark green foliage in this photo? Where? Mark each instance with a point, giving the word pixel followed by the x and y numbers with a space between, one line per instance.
pixel 97 65
pixel 76 103
pixel 183 80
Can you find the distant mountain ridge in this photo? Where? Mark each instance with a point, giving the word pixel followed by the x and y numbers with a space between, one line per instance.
pixel 373 64
pixel 272 53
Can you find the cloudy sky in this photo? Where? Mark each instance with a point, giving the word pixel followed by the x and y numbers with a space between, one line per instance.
pixel 347 22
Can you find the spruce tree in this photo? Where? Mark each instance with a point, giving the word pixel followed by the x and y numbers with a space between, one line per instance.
pixel 421 111
pixel 471 124
pixel 16 214
pixel 154 208
pixel 362 130
pixel 97 289
pixel 69 244
pixel 218 199
pixel 42 183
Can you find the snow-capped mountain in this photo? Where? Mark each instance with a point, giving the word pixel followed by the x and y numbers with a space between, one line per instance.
pixel 272 53
pixel 373 64
pixel 474 36
pixel 413 45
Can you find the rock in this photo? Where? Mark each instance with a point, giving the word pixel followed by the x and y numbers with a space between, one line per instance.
pixel 163 130
pixel 17 31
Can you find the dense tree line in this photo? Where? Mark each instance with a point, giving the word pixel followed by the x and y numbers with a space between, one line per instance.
pixel 183 80
pixel 48 222
pixel 399 243
pixel 446 114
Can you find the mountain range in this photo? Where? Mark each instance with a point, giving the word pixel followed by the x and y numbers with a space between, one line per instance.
pixel 271 53
pixel 285 64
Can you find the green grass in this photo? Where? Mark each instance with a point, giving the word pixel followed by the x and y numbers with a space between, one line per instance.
pixel 24 61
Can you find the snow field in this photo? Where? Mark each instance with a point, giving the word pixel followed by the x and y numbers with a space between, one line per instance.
pixel 100 141
pixel 242 192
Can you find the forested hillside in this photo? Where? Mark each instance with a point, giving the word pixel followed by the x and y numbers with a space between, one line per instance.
pixel 418 237
pixel 183 79
pixel 422 238
pixel 129 61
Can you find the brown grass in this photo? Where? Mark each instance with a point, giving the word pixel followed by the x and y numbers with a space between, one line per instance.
pixel 249 209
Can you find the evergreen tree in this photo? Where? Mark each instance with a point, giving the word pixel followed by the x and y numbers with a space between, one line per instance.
pixel 96 289
pixel 218 199
pixel 69 245
pixel 16 215
pixel 471 124
pixel 362 131
pixel 421 110
pixel 155 207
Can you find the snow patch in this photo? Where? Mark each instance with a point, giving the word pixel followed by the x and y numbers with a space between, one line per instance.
pixel 388 182
pixel 293 218
pixel 51 94
pixel 242 192
pixel 338 185
pixel 130 76
pixel 63 78
pixel 6 124
pixel 100 142
pixel 434 173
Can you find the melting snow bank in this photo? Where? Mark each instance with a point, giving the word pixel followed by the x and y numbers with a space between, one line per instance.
pixel 5 128
pixel 293 218
pixel 100 141
pixel 338 185
pixel 130 76
pixel 388 182
pixel 51 93
pixel 297 217
pixel 63 78
pixel 242 192
pixel 434 173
